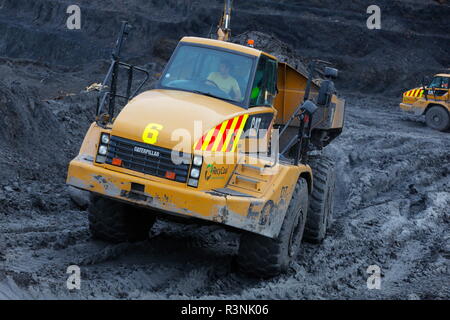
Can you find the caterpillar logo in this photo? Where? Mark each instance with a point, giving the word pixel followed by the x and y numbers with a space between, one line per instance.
pixel 224 137
pixel 416 93
pixel 148 152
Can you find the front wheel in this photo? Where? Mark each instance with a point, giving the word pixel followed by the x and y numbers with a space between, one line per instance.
pixel 438 118
pixel 118 222
pixel 264 257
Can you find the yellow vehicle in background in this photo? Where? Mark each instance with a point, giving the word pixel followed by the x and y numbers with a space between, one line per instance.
pixel 203 146
pixel 431 100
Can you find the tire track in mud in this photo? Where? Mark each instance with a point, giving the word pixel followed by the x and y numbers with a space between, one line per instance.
pixel 401 182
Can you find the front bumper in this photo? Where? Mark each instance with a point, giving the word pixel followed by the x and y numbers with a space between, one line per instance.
pixel 411 108
pixel 176 199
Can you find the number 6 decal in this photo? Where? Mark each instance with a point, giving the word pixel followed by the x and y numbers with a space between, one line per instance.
pixel 151 133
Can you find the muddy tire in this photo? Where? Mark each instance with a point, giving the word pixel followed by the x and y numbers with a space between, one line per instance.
pixel 438 118
pixel 118 222
pixel 264 257
pixel 320 210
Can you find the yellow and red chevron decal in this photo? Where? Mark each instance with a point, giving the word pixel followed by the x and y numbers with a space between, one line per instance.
pixel 416 93
pixel 224 137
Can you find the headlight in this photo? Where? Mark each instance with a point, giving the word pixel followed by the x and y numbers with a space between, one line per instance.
pixel 195 173
pixel 105 138
pixel 103 150
pixel 198 161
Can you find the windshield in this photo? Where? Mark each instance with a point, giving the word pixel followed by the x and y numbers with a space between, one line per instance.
pixel 211 72
pixel 439 82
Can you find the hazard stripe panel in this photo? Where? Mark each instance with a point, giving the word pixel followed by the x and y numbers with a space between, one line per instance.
pixel 417 93
pixel 223 137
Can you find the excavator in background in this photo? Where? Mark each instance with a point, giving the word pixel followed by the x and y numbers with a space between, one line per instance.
pixel 229 136
pixel 432 100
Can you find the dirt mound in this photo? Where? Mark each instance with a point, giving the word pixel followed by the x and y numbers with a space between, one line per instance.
pixel 37 140
pixel 411 44
pixel 272 45
pixel 38 135
pixel 26 128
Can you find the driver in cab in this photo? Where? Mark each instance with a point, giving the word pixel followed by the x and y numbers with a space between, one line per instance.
pixel 225 82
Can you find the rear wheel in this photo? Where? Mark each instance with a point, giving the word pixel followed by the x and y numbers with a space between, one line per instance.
pixel 264 257
pixel 321 200
pixel 118 222
pixel 438 118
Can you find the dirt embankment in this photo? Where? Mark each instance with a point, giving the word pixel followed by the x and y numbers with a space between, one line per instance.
pixel 413 40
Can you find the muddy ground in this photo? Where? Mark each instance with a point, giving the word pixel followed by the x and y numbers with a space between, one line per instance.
pixel 393 189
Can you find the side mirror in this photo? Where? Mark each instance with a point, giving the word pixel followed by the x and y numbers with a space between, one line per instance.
pixel 331 73
pixel 326 92
pixel 309 107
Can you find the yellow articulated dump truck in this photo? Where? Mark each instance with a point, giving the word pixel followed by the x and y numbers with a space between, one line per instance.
pixel 225 138
pixel 431 100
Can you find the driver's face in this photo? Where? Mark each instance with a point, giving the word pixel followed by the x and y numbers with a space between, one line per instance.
pixel 224 69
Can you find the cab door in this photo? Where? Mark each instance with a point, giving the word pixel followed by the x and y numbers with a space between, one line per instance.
pixel 260 122
pixel 264 89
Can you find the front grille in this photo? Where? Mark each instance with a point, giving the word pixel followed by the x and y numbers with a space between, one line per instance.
pixel 144 158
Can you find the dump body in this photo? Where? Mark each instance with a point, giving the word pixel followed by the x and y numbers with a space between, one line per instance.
pixel 181 149
pixel 328 121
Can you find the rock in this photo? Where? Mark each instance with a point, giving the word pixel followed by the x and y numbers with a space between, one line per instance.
pixel 79 197
pixel 16 186
pixel 39 203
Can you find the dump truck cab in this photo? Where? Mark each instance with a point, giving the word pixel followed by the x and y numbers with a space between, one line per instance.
pixel 239 75
pixel 431 100
pixel 223 138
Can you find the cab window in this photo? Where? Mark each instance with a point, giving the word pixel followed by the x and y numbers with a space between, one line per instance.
pixel 209 71
pixel 264 87
pixel 440 82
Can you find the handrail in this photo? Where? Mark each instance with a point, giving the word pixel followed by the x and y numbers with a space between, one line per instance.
pixel 111 78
